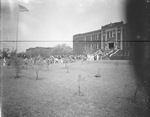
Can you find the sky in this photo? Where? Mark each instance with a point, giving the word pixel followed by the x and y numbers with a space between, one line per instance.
pixel 52 22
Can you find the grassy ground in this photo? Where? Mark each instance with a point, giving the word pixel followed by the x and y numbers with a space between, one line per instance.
pixel 56 94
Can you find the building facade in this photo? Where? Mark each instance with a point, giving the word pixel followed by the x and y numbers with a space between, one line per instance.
pixel 87 41
pixel 113 36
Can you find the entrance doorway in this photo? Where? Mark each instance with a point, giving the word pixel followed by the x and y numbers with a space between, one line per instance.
pixel 111 45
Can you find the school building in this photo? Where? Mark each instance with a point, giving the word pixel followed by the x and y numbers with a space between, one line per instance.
pixel 113 36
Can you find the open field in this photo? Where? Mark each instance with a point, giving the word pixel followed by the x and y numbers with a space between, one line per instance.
pixel 55 93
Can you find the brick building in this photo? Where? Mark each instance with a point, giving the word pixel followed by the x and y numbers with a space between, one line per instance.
pixel 113 36
pixel 89 40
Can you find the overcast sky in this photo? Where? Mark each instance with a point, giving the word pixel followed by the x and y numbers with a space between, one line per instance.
pixel 56 21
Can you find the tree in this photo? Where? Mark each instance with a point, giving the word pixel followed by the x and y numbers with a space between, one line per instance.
pixel 37 67
pixel 62 49
pixel 17 64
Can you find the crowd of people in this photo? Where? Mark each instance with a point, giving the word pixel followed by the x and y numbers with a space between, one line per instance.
pixel 52 59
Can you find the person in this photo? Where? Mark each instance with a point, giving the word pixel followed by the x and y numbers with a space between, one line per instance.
pixel 97 57
pixel 4 61
pixel 138 19
pixel 26 62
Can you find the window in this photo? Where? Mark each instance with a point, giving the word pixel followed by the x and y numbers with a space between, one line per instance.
pixel 111 34
pixel 99 36
pixel 127 53
pixel 119 36
pixel 104 37
pixel 84 38
pixel 87 38
pixel 97 46
pixel 94 46
pixel 90 38
pixel 103 32
pixel 118 45
pixel 91 47
pixel 95 37
pixel 107 34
